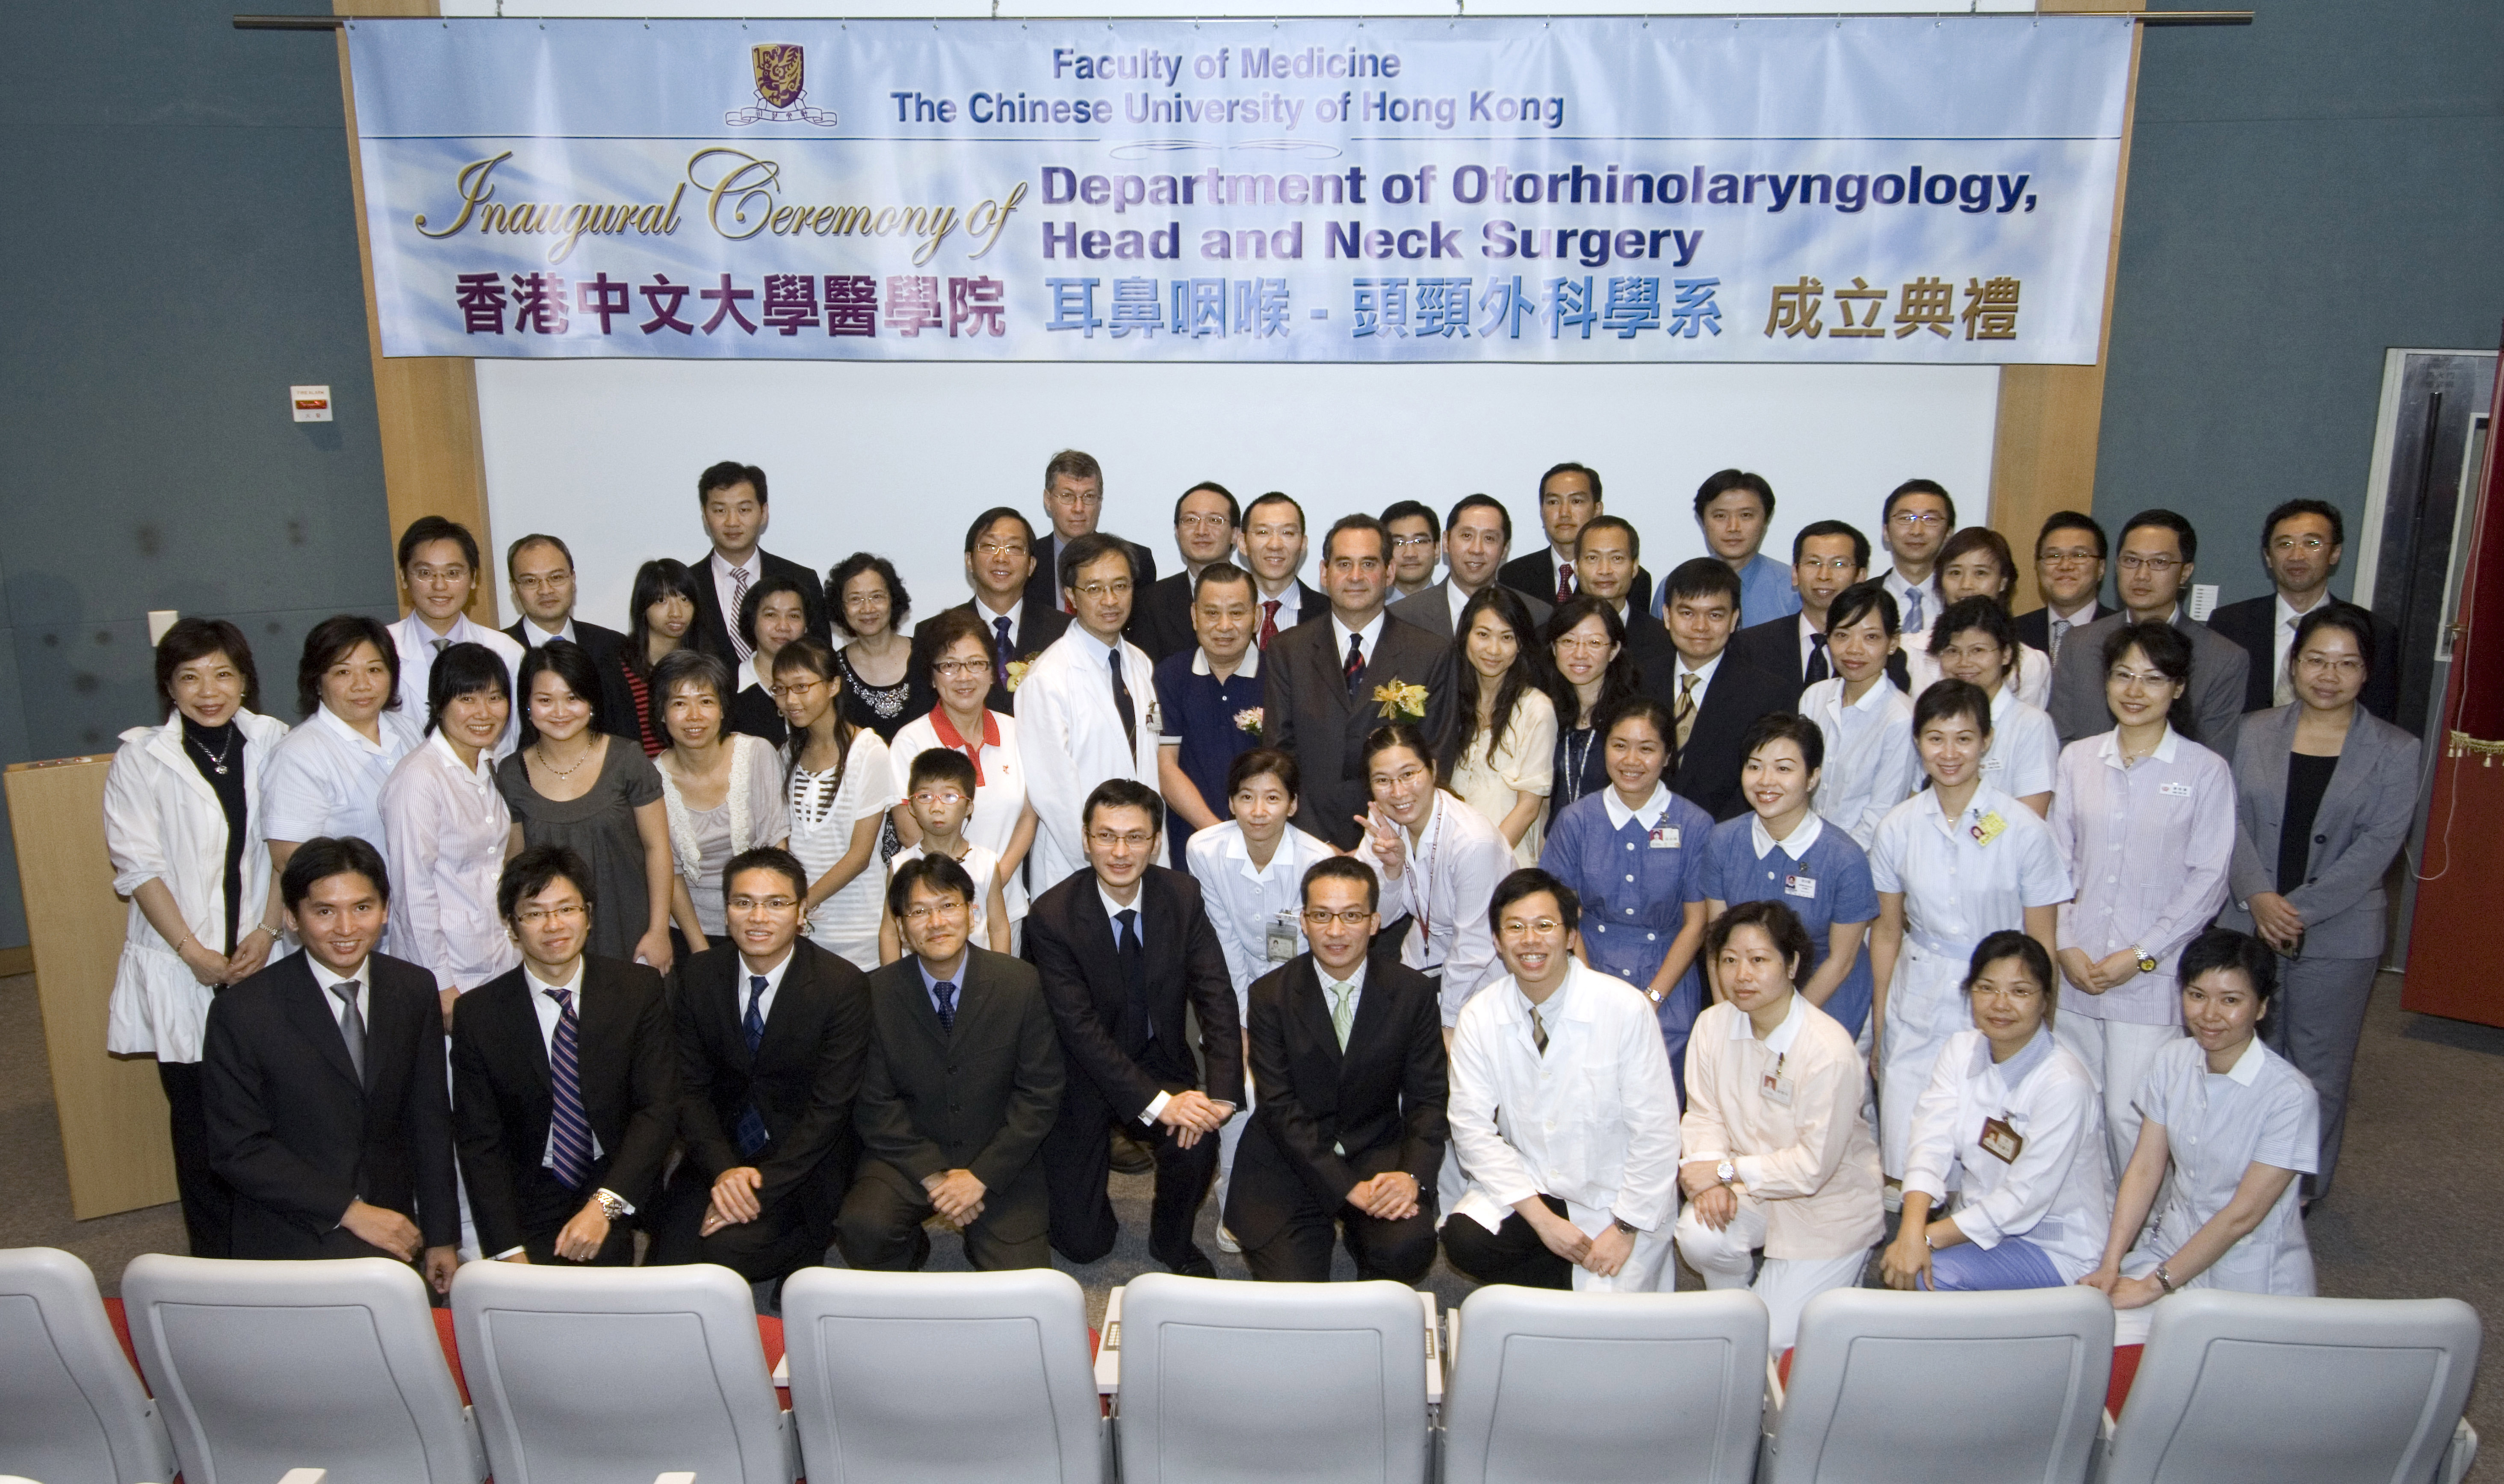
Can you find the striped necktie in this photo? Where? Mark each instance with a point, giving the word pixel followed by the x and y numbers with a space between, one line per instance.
pixel 569 1130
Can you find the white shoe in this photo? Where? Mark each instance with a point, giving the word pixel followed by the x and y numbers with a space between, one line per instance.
pixel 1225 1241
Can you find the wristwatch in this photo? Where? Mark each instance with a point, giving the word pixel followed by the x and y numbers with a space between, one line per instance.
pixel 1726 1172
pixel 2146 959
pixel 611 1204
pixel 2164 1279
pixel 1627 1226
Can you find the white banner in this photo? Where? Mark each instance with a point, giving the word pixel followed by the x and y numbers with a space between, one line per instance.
pixel 1591 190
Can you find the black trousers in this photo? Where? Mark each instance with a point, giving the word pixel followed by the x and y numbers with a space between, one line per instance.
pixel 788 1234
pixel 1511 1254
pixel 1301 1252
pixel 884 1212
pixel 1078 1155
pixel 208 1202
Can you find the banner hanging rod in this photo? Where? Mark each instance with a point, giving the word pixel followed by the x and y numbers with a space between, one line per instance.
pixel 2143 18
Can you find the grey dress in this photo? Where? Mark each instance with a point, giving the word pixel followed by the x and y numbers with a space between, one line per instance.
pixel 599 827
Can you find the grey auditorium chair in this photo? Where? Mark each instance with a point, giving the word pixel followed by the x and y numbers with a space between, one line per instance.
pixel 1252 1383
pixel 71 1412
pixel 884 1366
pixel 2299 1391
pixel 605 1375
pixel 265 1367
pixel 2004 1388
pixel 1599 1388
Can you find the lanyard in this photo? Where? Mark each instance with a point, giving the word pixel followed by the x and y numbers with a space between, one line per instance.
pixel 1426 879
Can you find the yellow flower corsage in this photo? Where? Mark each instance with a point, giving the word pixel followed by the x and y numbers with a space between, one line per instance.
pixel 1400 701
pixel 1017 674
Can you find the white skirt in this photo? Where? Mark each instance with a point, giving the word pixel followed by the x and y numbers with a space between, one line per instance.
pixel 158 1008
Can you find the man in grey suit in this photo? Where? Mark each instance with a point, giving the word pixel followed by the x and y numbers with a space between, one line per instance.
pixel 2158 550
pixel 1320 679
pixel 963 1082
pixel 1476 536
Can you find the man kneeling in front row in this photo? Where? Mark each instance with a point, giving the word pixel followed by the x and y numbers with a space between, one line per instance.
pixel 1349 1130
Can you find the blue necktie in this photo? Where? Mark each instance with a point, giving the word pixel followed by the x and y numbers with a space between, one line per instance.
pixel 947 1005
pixel 1000 654
pixel 568 1130
pixel 750 1132
pixel 1912 609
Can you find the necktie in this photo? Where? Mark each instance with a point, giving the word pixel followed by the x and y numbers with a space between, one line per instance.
pixel 1564 583
pixel 2059 632
pixel 738 600
pixel 1538 1031
pixel 1913 608
pixel 1268 622
pixel 568 1130
pixel 1000 654
pixel 1122 703
pixel 442 645
pixel 1818 669
pixel 1355 668
pixel 752 1134
pixel 1683 718
pixel 947 1005
pixel 1134 978
pixel 352 1027
pixel 1342 1010
pixel 2282 690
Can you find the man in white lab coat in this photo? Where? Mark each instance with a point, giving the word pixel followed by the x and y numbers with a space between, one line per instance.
pixel 1087 708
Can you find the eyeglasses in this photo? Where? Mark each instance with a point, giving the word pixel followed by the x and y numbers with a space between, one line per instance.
pixel 2070 557
pixel 924 911
pixel 2131 562
pixel 1542 927
pixel 1574 645
pixel 1003 548
pixel 2152 680
pixel 782 688
pixel 1910 518
pixel 949 670
pixel 763 904
pixel 1077 497
pixel 2286 544
pixel 1317 919
pixel 2019 992
pixel 1205 522
pixel 1119 587
pixel 938 797
pixel 2345 666
pixel 1410 542
pixel 1826 564
pixel 571 911
pixel 1136 840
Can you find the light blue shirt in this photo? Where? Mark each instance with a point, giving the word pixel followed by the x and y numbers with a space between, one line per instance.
pixel 1765 592
pixel 930 983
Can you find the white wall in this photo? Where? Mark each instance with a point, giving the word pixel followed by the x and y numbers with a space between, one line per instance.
pixel 898 457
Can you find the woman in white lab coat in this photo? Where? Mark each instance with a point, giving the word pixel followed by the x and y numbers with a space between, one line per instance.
pixel 1868 723
pixel 2235 1123
pixel 2011 1122
pixel 183 826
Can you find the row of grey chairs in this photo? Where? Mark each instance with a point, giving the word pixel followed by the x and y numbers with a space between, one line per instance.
pixel 596 1376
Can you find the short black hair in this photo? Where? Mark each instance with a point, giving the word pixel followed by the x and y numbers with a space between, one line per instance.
pixel 1641 708
pixel 765 858
pixel 1279 497
pixel 899 602
pixel 535 870
pixel 1569 467
pixel 1397 734
pixel 1341 867
pixel 1468 501
pixel 1929 487
pixel 2289 509
pixel 1858 601
pixel 1969 539
pixel 1717 485
pixel 2166 520
pixel 1123 793
pixel 330 642
pixel 435 528
pixel 728 473
pixel 1092 547
pixel 569 662
pixel 940 631
pixel 938 873
pixel 1634 538
pixel 464 669
pixel 196 639
pixel 324 856
pixel 1530 881
pixel 1702 577
pixel 992 517
pixel 1234 509
pixel 1814 528
pixel 1984 613
pixel 2009 942
pixel 1776 920
pixel 942 765
pixel 2222 947
pixel 1253 762
pixel 514 553
pixel 1952 698
pixel 1357 521
pixel 1405 509
pixel 766 587
pixel 1790 727
pixel 1220 570
pixel 2337 613
pixel 2072 520
pixel 685 667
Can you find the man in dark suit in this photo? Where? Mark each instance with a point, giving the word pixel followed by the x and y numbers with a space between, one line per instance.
pixel 1826 557
pixel 2158 552
pixel 2301 544
pixel 999 557
pixel 1206 522
pixel 772 1034
pixel 1319 680
pixel 1073 497
pixel 732 497
pixel 1714 697
pixel 321 1084
pixel 1124 949
pixel 1349 1132
pixel 1606 554
pixel 564 1079
pixel 963 1081
pixel 1568 496
pixel 1273 543
pixel 540 570
pixel 1476 535
pixel 2070 553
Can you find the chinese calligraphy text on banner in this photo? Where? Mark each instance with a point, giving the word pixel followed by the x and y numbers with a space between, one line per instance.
pixel 1591 190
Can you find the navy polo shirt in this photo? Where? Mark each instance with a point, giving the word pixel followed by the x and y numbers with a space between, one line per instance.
pixel 1198 711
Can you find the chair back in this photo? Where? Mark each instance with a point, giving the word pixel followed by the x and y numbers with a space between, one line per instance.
pixel 2293 1391
pixel 886 1368
pixel 1659 1388
pixel 71 1409
pixel 2002 1388
pixel 1250 1383
pixel 263 1368
pixel 593 1375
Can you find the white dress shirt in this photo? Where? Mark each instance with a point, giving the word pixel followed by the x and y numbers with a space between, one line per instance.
pixel 536 637
pixel 2057 1193
pixel 773 978
pixel 1070 734
pixel 1900 590
pixel 1703 673
pixel 448 828
pixel 2281 640
pixel 1369 636
pixel 1450 875
pixel 1458 600
pixel 990 618
pixel 1290 607
pixel 2025 753
pixel 1870 765
pixel 550 1016
pixel 1243 900
pixel 2150 845
pixel 1592 1121
pixel 2057 626
pixel 326 779
pixel 416 643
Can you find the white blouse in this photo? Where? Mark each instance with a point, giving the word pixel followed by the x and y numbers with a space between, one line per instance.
pixel 2057 1193
pixel 1492 778
pixel 752 812
pixel 447 829
pixel 1870 766
pixel 824 808
pixel 326 779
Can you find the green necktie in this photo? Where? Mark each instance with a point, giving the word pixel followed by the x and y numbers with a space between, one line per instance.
pixel 1342 1010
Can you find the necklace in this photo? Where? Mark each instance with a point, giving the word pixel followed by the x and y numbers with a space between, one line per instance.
pixel 549 763
pixel 217 760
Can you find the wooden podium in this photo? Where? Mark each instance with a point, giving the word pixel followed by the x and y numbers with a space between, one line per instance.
pixel 111 1111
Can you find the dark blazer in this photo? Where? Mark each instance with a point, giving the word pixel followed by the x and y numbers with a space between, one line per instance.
pixel 714 627
pixel 1069 940
pixel 1707 773
pixel 1038 624
pixel 2363 821
pixel 752 711
pixel 292 1130
pixel 2218 667
pixel 1309 712
pixel 1329 1119
pixel 502 1098
pixel 1774 648
pixel 2247 624
pixel 1534 576
pixel 1160 616
pixel 803 1079
pixel 1043 585
pixel 606 647
pixel 978 1098
pixel 1431 608
pixel 2035 628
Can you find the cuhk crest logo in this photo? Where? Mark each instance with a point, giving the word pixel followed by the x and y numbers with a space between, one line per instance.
pixel 780 68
